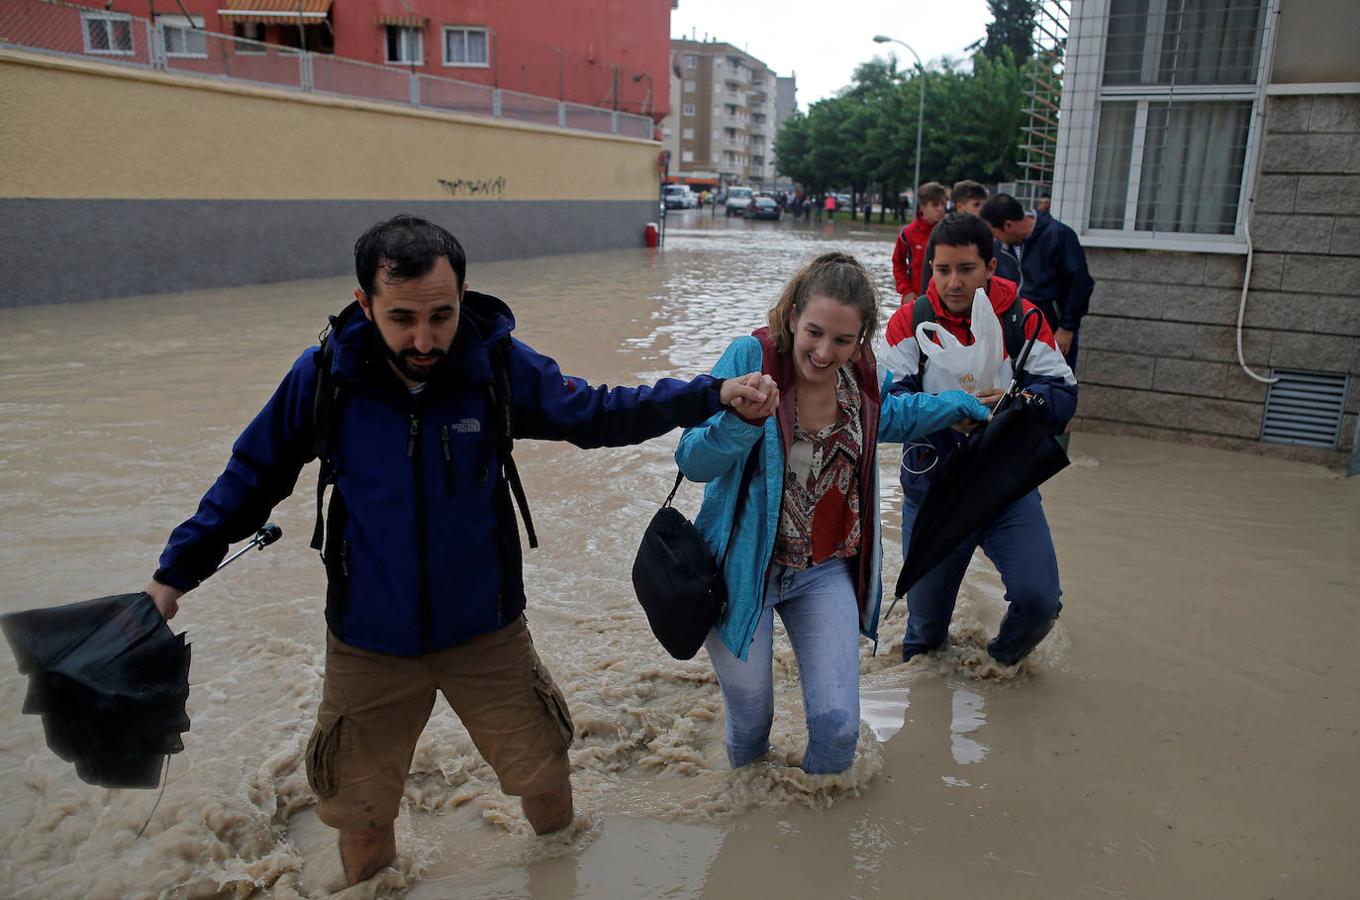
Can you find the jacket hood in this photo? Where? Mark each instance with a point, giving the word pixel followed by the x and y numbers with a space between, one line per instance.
pixel 1042 222
pixel 482 321
pixel 1001 291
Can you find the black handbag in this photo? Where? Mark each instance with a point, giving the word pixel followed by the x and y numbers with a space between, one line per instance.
pixel 675 577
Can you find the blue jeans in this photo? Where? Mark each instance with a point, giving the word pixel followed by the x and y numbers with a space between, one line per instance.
pixel 820 612
pixel 1019 544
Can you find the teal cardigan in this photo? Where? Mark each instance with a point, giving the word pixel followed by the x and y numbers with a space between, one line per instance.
pixel 715 452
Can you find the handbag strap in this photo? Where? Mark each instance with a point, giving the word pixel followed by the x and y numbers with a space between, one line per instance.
pixel 747 472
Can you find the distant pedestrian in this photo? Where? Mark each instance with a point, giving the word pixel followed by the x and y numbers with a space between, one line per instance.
pixel 830 207
pixel 909 256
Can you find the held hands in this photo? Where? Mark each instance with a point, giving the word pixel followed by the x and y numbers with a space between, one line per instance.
pixel 972 410
pixel 755 397
pixel 165 597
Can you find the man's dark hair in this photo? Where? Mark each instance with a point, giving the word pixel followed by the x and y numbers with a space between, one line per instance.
pixel 405 246
pixel 1001 209
pixel 960 230
pixel 967 190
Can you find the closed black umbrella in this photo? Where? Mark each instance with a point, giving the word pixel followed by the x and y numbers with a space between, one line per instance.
pixel 110 679
pixel 1000 462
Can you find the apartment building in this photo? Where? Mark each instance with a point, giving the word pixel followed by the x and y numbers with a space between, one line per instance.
pixel 1208 158
pixel 725 120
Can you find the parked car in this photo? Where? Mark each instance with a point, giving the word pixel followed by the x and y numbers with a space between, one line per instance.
pixel 763 207
pixel 679 196
pixel 738 198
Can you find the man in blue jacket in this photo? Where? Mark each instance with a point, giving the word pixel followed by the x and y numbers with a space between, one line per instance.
pixel 1044 257
pixel 425 587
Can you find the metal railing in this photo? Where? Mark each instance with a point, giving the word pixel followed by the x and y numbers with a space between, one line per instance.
pixel 169 45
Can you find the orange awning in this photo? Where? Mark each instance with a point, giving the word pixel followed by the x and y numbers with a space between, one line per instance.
pixel 275 10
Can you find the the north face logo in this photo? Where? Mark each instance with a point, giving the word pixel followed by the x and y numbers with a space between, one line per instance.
pixel 468 426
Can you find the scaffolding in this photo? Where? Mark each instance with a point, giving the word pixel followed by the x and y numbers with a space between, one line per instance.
pixel 1044 97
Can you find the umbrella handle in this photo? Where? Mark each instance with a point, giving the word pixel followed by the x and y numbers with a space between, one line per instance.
pixel 263 538
pixel 1019 366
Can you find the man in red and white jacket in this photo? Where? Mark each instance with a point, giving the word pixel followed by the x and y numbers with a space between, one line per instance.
pixel 1018 541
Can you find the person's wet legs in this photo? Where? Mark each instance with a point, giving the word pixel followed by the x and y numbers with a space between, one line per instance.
pixel 1020 545
pixel 366 851
pixel 551 810
pixel 930 602
pixel 747 687
pixel 820 613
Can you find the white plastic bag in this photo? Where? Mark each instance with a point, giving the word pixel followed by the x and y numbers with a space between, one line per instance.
pixel 954 367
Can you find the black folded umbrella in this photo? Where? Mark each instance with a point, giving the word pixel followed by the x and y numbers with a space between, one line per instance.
pixel 110 679
pixel 999 463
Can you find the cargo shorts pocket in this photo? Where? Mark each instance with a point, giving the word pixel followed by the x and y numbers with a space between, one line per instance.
pixel 554 703
pixel 323 755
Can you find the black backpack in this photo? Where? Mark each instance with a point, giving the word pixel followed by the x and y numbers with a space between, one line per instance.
pixel 329 397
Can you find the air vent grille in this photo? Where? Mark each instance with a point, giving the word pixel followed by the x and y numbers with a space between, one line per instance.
pixel 1304 408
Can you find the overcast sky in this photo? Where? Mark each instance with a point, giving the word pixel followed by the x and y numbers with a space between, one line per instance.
pixel 823 40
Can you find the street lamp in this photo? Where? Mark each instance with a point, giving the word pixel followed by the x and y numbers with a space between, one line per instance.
pixel 920 109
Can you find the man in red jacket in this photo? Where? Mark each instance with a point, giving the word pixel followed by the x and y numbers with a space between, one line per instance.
pixel 909 256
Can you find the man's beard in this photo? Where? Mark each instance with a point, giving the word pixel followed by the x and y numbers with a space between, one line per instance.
pixel 415 373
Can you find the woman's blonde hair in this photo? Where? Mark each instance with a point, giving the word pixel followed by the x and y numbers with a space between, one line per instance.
pixel 836 275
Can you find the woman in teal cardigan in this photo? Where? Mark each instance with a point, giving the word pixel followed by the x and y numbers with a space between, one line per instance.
pixel 806 542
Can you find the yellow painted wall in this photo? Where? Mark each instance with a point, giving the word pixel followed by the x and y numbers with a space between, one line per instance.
pixel 70 129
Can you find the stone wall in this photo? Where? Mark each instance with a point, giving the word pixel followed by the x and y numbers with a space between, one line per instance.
pixel 1158 351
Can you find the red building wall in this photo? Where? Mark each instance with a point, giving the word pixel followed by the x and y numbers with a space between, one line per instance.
pixel 597 52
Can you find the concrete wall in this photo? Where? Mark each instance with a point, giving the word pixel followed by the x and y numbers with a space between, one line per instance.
pixel 117 181
pixel 1316 42
pixel 1158 350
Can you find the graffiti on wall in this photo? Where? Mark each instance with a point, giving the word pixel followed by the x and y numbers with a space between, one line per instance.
pixel 472 187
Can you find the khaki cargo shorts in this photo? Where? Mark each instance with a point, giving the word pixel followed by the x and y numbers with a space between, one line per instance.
pixel 375 705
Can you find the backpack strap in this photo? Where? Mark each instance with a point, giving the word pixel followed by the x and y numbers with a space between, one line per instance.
pixel 502 406
pixel 1013 328
pixel 921 311
pixel 325 402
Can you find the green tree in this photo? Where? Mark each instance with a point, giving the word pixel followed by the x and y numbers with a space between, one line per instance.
pixel 1012 27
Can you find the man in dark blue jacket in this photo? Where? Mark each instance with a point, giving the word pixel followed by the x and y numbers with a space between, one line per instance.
pixel 1045 258
pixel 425 588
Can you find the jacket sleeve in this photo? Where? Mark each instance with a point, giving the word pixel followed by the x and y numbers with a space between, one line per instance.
pixel 708 450
pixel 1047 375
pixel 263 469
pixel 901 262
pixel 555 407
pixel 1078 283
pixel 907 415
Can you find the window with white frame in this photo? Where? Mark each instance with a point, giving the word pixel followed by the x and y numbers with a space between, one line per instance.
pixel 689 87
pixel 404 45
pixel 1176 95
pixel 687 109
pixel 107 33
pixel 691 61
pixel 687 134
pixel 183 36
pixel 466 47
pixel 687 156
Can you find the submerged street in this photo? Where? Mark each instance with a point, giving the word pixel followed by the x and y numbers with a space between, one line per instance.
pixel 1188 729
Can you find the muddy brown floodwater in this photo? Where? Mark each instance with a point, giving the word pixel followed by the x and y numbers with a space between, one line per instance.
pixel 1188 730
